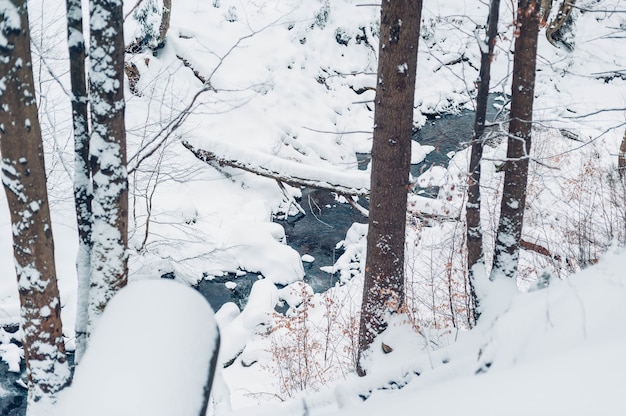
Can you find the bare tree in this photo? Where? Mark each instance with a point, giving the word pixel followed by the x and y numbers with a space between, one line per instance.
pixel 24 179
pixel 82 171
pixel 383 292
pixel 475 254
pixel 506 255
pixel 108 155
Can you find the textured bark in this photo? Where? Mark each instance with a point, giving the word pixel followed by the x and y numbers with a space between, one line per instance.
pixel 621 158
pixel 107 156
pixel 24 179
pixel 165 22
pixel 82 171
pixel 475 254
pixel 383 291
pixel 506 255
pixel 560 31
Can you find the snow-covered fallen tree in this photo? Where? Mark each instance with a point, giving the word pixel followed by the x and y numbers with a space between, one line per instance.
pixel 348 182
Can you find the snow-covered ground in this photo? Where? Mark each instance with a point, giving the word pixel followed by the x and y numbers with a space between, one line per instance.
pixel 557 350
pixel 290 84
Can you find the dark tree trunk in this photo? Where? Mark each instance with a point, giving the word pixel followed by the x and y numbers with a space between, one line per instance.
pixel 24 178
pixel 506 255
pixel 621 158
pixel 108 155
pixel 82 175
pixel 475 255
pixel 383 292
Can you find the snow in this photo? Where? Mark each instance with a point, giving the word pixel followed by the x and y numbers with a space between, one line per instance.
pixel 555 351
pixel 149 355
pixel 12 355
pixel 434 176
pixel 419 152
pixel 238 328
pixel 280 92
pixel 10 22
pixel 307 258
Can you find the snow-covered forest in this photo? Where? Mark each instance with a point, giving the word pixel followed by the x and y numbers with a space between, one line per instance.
pixel 244 119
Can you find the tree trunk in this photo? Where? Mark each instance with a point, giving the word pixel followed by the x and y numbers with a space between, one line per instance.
pixel 383 292
pixel 108 155
pixel 24 179
pixel 475 255
pixel 82 174
pixel 621 158
pixel 506 255
pixel 165 22
pixel 560 31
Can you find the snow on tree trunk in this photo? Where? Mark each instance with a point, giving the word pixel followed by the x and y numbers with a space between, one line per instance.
pixel 108 155
pixel 165 21
pixel 383 292
pixel 506 255
pixel 154 23
pixel 475 255
pixel 82 179
pixel 24 179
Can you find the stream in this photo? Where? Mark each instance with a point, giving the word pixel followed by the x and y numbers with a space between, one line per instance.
pixel 327 220
pixel 316 234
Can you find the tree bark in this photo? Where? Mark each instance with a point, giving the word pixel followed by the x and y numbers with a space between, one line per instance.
pixel 475 254
pixel 383 291
pixel 621 158
pixel 506 255
pixel 107 155
pixel 24 179
pixel 82 171
pixel 166 12
pixel 559 31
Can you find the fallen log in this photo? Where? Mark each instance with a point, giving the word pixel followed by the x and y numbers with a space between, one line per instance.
pixel 344 183
pixel 286 171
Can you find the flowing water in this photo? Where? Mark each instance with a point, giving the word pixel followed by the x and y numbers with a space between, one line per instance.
pixel 327 220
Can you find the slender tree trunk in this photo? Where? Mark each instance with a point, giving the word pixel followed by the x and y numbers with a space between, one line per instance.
pixel 506 255
pixel 621 158
pixel 82 176
pixel 165 22
pixel 108 155
pixel 475 254
pixel 383 292
pixel 24 179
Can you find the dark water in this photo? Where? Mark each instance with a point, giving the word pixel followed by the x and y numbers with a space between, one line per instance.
pixel 318 232
pixel 216 292
pixel 448 133
pixel 12 395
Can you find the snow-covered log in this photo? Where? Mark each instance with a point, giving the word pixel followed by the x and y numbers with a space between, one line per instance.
pixel 343 182
pixel 153 353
